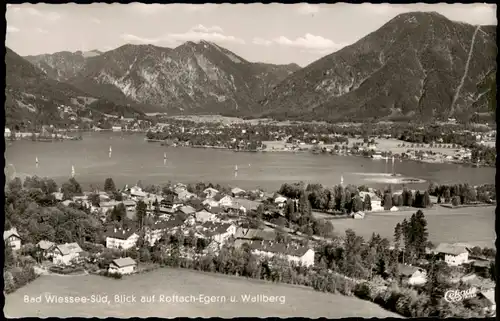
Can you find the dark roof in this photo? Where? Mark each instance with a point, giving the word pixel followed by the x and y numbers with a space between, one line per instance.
pixel 408 270
pixel 453 249
pixel 120 233
pixel 278 248
pixel 215 209
pixel 124 261
pixel 173 223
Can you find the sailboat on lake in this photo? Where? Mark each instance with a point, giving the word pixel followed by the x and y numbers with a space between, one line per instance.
pixel 72 171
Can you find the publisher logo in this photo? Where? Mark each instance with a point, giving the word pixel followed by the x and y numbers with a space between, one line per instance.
pixel 453 296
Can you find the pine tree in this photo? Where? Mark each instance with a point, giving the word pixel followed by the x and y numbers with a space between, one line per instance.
pixel 427 200
pixel 109 185
pixel 387 201
pixel 367 203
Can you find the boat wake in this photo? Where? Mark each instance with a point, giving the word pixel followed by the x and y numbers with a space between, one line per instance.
pixel 378 174
pixel 397 180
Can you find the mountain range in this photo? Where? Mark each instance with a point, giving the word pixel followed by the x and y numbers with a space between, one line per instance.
pixel 416 66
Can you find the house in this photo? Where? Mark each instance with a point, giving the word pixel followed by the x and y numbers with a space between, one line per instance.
pixel 293 253
pixel 67 202
pixel 280 201
pixel 124 265
pixel 120 238
pixel 453 254
pixel 248 205
pixel 226 201
pixel 7 132
pixel 394 209
pixel 155 232
pixel 204 216
pixel 129 205
pixel 218 232
pixel 255 234
pixel 358 215
pixel 413 274
pixel 65 253
pixel 237 192
pixel 45 247
pixel 481 267
pixel 137 193
pixel 215 210
pixel 184 195
pixel 210 202
pixel 116 128
pixel 58 196
pixel 222 232
pixel 210 192
pixel 12 239
pixel 187 210
pixel 168 201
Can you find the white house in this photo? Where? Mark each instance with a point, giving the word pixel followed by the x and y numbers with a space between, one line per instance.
pixel 116 128
pixel 280 200
pixel 394 209
pixel 453 254
pixel 187 209
pixel 226 201
pixel 204 216
pixel 137 193
pixel 65 253
pixel 12 238
pixel 237 191
pixel 184 195
pixel 415 275
pixel 210 192
pixel 293 253
pixel 124 265
pixel 121 239
pixel 7 132
pixel 210 202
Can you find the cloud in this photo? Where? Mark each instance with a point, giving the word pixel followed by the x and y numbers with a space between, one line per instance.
pixel 148 9
pixel 199 7
pixel 50 16
pixel 202 28
pixel 135 39
pixel 96 21
pixel 40 30
pixel 11 29
pixel 199 32
pixel 309 42
pixel 261 42
pixel 307 9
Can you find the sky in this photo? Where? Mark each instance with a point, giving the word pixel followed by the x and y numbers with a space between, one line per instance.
pixel 270 33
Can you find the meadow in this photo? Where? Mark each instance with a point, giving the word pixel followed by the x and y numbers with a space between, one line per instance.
pixel 471 225
pixel 297 301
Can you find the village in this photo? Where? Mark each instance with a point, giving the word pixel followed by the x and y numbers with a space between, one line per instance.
pixel 214 219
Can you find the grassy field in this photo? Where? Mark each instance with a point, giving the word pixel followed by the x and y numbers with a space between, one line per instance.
pixel 298 301
pixel 473 225
pixel 392 145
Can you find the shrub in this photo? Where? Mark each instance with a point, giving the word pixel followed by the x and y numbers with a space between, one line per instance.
pixel 362 291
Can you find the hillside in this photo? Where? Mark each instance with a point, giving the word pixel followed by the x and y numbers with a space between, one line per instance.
pixel 416 66
pixel 32 96
pixel 192 78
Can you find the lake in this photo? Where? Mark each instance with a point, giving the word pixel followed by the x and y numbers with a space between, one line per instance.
pixel 134 159
pixel 175 283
